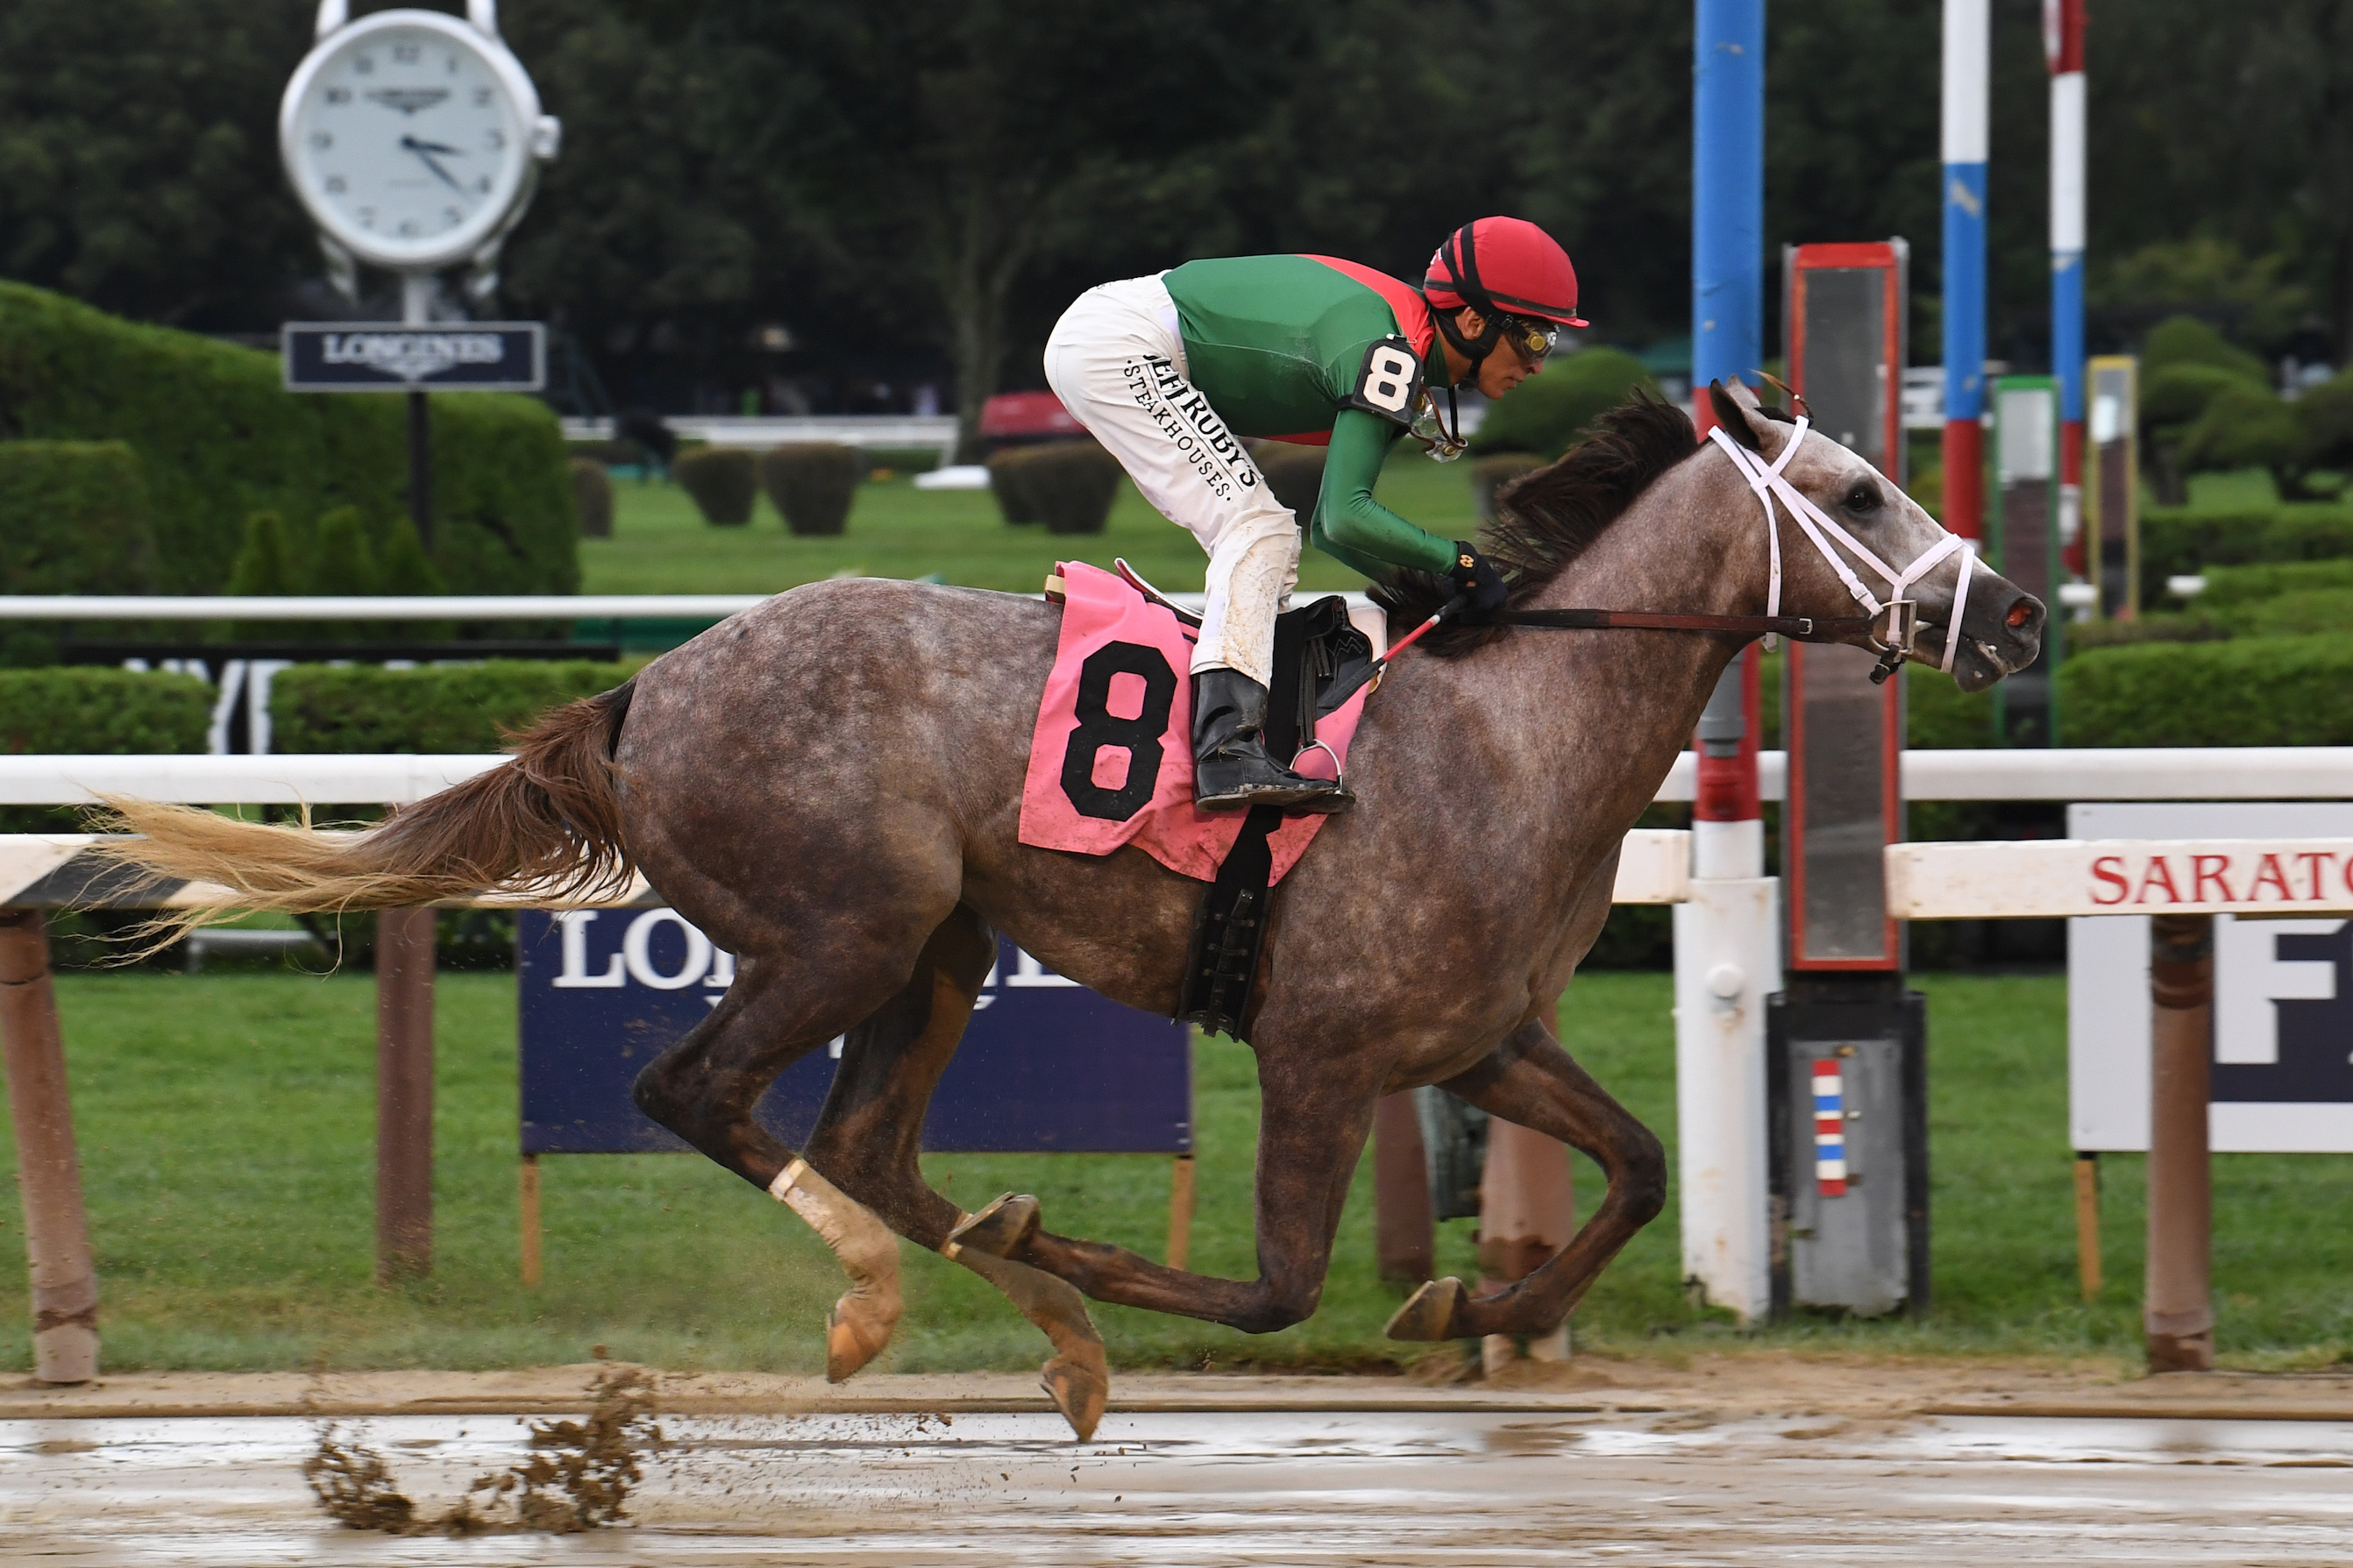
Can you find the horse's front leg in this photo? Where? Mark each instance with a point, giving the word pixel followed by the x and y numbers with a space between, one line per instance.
pixel 1530 1081
pixel 1315 1118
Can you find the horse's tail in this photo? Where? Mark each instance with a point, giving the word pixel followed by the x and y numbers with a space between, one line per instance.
pixel 550 821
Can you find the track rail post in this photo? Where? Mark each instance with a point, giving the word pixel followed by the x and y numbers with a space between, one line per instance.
pixel 2087 1223
pixel 404 1094
pixel 56 1228
pixel 2178 1320
pixel 527 1189
pixel 1180 1211
pixel 1405 1242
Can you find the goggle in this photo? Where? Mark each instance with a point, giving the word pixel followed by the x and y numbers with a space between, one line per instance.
pixel 1531 339
pixel 1441 444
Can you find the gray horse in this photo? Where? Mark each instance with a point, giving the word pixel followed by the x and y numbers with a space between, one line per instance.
pixel 830 786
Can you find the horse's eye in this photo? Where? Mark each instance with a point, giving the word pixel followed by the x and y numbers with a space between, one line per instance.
pixel 1863 498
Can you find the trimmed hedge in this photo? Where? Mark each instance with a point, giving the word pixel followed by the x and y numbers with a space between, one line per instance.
pixel 2177 542
pixel 219 439
pixel 1070 486
pixel 73 519
pixel 1006 487
pixel 87 710
pixel 1546 412
pixel 2256 691
pixel 1294 474
pixel 723 480
pixel 365 709
pixel 813 484
pixel 592 498
pixel 1489 475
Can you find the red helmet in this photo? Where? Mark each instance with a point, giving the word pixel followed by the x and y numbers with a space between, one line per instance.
pixel 1505 266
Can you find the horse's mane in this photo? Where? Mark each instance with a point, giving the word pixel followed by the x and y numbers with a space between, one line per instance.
pixel 1547 518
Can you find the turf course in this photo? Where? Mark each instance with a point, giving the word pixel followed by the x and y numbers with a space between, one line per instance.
pixel 661 546
pixel 226 1134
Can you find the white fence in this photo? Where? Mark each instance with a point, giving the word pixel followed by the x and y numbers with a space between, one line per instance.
pixel 2251 772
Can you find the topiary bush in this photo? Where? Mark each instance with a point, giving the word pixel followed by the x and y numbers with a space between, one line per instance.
pixel 2186 340
pixel 813 484
pixel 1005 484
pixel 723 482
pixel 219 438
pixel 1546 412
pixel 2252 691
pixel 366 709
pixel 1294 474
pixel 1071 484
pixel 592 498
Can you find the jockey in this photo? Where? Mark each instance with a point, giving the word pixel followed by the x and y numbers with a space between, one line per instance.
pixel 1170 371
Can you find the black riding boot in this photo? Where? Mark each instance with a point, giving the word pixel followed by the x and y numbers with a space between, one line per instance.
pixel 1232 770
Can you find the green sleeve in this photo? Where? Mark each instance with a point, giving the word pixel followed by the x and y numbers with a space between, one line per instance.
pixel 1353 527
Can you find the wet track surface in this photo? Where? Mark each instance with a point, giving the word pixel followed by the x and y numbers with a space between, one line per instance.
pixel 1271 1487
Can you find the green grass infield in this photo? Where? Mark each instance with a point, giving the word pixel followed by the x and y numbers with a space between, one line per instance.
pixel 226 1135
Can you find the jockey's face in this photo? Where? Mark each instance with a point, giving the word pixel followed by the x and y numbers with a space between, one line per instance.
pixel 1501 371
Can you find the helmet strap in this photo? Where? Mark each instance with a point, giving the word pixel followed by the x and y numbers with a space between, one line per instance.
pixel 1475 350
pixel 1471 293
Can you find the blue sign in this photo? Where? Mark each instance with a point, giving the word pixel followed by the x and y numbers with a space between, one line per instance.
pixel 461 357
pixel 1045 1063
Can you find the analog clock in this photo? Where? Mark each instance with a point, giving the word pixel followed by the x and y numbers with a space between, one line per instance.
pixel 413 138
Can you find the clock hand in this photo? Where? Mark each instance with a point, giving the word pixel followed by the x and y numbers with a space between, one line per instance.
pixel 411 143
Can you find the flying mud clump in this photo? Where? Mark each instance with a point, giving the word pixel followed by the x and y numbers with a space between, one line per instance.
pixel 577 1477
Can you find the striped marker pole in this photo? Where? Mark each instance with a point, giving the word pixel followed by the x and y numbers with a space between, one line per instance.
pixel 1830 1128
pixel 1968 47
pixel 2063 44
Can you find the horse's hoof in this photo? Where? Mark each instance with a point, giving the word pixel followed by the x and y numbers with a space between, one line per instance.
pixel 1079 1384
pixel 855 1334
pixel 1431 1313
pixel 1001 1229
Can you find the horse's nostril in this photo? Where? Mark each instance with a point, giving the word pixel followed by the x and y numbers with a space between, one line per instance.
pixel 2021 613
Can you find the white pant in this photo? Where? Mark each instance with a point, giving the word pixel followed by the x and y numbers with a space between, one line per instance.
pixel 1118 362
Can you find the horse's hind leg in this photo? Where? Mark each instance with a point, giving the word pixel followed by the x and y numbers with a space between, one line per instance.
pixel 1530 1080
pixel 870 1133
pixel 704 1088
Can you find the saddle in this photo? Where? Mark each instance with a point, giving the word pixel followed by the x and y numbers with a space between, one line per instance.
pixel 1320 660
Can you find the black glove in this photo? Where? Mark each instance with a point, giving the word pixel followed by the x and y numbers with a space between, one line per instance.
pixel 1479 588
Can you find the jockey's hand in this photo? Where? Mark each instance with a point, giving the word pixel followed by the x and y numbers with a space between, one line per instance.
pixel 1475 580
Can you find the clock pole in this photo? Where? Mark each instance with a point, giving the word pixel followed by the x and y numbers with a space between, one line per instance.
pixel 416 310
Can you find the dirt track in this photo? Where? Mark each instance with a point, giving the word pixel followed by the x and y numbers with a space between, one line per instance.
pixel 1731 1459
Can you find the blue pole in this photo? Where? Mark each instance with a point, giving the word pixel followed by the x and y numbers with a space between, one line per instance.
pixel 1728 195
pixel 1968 42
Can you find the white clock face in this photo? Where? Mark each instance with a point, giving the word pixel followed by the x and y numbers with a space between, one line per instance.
pixel 407 141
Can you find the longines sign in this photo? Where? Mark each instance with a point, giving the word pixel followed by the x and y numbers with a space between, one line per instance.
pixel 473 356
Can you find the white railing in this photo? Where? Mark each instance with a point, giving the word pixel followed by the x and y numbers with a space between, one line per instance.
pixel 422 607
pixel 2251 772
pixel 936 431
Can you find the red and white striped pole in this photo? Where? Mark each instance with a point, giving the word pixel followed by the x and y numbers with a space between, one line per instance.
pixel 2063 44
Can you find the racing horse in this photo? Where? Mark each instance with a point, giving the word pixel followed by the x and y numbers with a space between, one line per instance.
pixel 830 786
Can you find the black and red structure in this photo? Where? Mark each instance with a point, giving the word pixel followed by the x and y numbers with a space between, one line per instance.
pixel 1845 1040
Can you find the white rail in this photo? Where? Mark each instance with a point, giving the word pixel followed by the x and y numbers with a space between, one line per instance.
pixel 2251 772
pixel 424 607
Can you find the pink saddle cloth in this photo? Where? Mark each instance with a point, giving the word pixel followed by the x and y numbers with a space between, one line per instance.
pixel 1111 761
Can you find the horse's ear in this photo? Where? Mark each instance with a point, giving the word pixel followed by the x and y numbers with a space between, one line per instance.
pixel 1730 414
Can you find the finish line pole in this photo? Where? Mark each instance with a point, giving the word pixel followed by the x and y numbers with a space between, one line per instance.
pixel 1726 935
pixel 2063 42
pixel 1968 47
